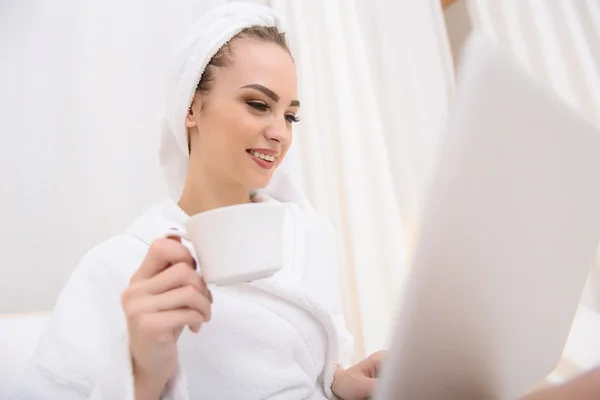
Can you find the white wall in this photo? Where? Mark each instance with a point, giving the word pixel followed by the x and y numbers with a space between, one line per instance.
pixel 80 86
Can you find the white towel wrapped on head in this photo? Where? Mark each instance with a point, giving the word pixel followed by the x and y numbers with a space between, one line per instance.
pixel 203 41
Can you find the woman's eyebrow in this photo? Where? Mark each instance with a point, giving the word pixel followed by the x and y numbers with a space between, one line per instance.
pixel 274 96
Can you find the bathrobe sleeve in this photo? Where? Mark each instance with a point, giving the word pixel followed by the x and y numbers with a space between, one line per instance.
pixel 84 352
pixel 322 278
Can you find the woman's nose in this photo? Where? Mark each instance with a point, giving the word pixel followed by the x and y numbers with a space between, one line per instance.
pixel 279 133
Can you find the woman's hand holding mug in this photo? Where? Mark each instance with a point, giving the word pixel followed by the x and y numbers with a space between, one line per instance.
pixel 164 295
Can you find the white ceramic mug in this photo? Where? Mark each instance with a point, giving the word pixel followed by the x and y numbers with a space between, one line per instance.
pixel 236 244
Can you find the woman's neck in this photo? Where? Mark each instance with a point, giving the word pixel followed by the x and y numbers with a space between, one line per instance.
pixel 205 190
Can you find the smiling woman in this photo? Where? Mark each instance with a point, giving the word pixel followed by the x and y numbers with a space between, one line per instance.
pixel 245 103
pixel 118 328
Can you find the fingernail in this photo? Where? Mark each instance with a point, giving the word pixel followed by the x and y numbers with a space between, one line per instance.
pixel 210 296
pixel 177 238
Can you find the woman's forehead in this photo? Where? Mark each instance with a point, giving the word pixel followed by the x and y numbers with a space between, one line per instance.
pixel 254 61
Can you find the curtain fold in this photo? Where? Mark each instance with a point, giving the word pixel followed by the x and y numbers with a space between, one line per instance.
pixel 558 43
pixel 375 84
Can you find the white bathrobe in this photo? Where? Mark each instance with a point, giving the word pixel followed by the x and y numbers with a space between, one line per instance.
pixel 277 338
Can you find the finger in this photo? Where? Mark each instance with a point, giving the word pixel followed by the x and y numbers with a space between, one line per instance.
pixel 376 360
pixel 174 320
pixel 371 365
pixel 173 233
pixel 206 290
pixel 178 275
pixel 183 297
pixel 370 369
pixel 163 253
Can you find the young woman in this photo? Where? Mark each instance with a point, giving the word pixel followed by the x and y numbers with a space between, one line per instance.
pixel 118 328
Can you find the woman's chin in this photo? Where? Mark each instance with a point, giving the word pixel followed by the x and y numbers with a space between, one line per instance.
pixel 261 185
pixel 260 182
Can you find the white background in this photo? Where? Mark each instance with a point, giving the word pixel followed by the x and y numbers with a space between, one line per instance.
pixel 80 85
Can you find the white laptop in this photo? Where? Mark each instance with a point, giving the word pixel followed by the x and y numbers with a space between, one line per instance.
pixel 509 233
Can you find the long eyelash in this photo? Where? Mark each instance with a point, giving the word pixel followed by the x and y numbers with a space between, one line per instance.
pixel 292 118
pixel 258 106
pixel 264 107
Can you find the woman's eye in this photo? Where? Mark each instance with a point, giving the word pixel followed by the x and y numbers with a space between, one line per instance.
pixel 291 118
pixel 258 105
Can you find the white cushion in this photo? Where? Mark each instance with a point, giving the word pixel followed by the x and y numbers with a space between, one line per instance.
pixel 19 335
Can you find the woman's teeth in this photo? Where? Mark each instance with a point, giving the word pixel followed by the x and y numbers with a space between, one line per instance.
pixel 262 156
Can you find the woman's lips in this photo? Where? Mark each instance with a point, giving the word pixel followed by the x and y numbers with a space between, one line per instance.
pixel 265 164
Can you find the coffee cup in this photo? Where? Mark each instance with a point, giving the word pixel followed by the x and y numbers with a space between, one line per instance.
pixel 238 243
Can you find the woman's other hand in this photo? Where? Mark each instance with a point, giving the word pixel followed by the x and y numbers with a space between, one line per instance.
pixel 358 382
pixel 586 386
pixel 164 295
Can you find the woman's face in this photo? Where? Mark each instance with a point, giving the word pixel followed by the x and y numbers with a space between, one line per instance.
pixel 244 122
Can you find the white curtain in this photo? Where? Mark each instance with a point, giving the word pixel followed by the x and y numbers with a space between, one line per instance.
pixel 82 81
pixel 80 85
pixel 376 79
pixel 558 42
